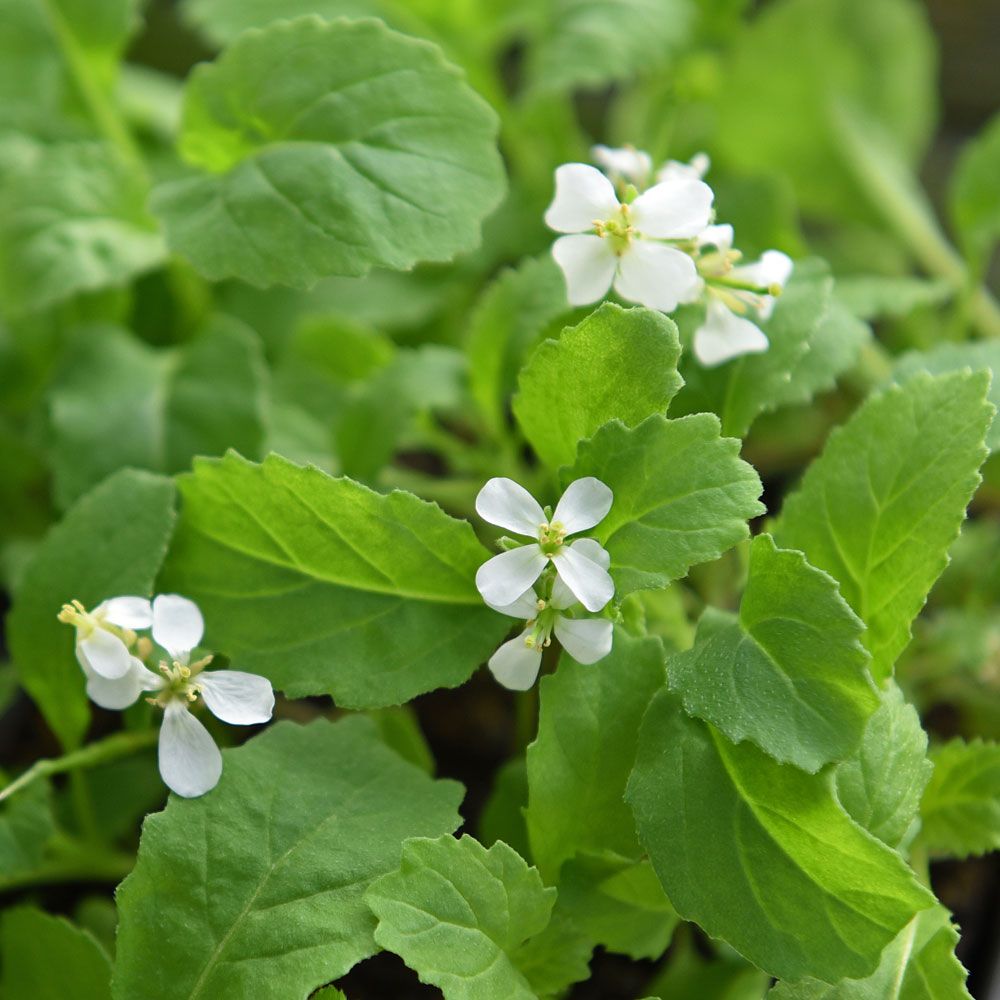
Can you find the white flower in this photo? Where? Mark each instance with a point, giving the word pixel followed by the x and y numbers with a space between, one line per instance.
pixel 190 762
pixel 626 244
pixel 517 662
pixel 624 165
pixel 504 578
pixel 104 635
pixel 731 291
pixel 696 168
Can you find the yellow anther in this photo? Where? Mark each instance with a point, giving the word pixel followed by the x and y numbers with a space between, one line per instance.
pixel 540 604
pixel 529 641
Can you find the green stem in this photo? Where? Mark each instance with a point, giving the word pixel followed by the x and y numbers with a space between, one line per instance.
pixel 111 748
pixel 525 718
pixel 72 862
pixel 83 806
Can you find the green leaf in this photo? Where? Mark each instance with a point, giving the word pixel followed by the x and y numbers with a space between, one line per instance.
pixel 880 785
pixel 275 862
pixel 26 827
pixel 618 364
pixel 723 976
pixel 502 817
pixel 329 148
pixel 812 341
pixel 589 43
pixel 882 504
pixel 876 296
pixel 796 62
pixel 119 402
pixel 47 958
pixel 791 673
pixel 945 358
pixel 585 748
pixel 516 311
pixel 960 810
pixel 795 885
pixel 459 915
pixel 72 219
pixel 110 543
pixel 328 588
pixel 975 193
pixel 919 965
pixel 682 496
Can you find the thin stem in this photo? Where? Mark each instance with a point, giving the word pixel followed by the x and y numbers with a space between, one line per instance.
pixel 83 806
pixel 111 748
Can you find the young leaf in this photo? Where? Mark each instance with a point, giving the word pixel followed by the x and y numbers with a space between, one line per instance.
pixel 944 358
pixel 761 855
pixel 975 194
pixel 328 588
pixel 459 915
pixel 329 148
pixel 110 543
pixel 682 496
pixel 881 783
pixel 118 402
pixel 882 504
pixel 791 673
pixel 274 864
pixel 72 219
pixel 919 965
pixel 960 810
pixel 579 762
pixel 47 958
pixel 618 364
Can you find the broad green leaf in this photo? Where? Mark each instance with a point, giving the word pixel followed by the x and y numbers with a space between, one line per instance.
pixel 881 783
pixel 119 402
pixel 617 903
pixel 919 965
pixel 502 817
pixel 110 543
pixel 882 504
pixel 975 194
pixel 47 958
pixel 590 43
pixel 682 496
pixel 72 219
pixel 618 364
pixel 944 358
pixel 328 588
pixel 26 827
pixel 514 313
pixel 791 673
pixel 399 728
pixel 558 957
pixel 875 296
pixel 585 748
pixel 329 148
pixel 459 914
pixel 795 885
pixel 256 889
pixel 812 341
pixel 960 810
pixel 690 974
pixel 793 65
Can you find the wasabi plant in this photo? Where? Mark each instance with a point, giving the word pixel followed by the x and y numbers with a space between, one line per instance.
pixel 496 502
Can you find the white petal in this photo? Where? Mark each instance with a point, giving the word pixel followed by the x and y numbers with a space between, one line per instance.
pixel 190 762
pixel 676 209
pixel 177 624
pixel 589 581
pixel 720 237
pixel 562 597
pixel 118 693
pixel 525 607
pixel 583 196
pixel 128 612
pixel 509 505
pixel 585 503
pixel 626 163
pixel 656 276
pixel 514 665
pixel 674 169
pixel 773 268
pixel 588 265
pixel 237 697
pixel 724 336
pixel 104 654
pixel 587 640
pixel 504 578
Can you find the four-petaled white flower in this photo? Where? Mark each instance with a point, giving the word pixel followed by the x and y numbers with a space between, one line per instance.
pixel 190 762
pixel 504 578
pixel 516 663
pixel 731 291
pixel 624 165
pixel 626 244
pixel 104 635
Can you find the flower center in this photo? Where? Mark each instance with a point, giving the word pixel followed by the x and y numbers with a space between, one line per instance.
pixel 541 628
pixel 551 537
pixel 180 684
pixel 618 230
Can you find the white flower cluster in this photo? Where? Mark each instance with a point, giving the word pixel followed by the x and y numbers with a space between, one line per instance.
pixel 548 582
pixel 111 654
pixel 656 245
